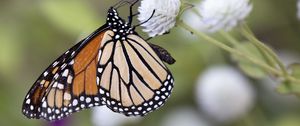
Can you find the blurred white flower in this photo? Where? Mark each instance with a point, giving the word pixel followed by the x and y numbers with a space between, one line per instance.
pixel 164 17
pixel 193 19
pixel 103 116
pixel 224 94
pixel 218 15
pixel 298 7
pixel 184 116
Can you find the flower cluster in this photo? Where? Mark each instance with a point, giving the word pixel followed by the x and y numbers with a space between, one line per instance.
pixel 211 15
pixel 164 17
pixel 222 14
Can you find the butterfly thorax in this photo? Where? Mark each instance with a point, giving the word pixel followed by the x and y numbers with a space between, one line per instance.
pixel 120 27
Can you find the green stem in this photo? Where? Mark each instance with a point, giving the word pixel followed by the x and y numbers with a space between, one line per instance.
pixel 249 35
pixel 234 51
pixel 229 38
pixel 227 48
pixel 234 42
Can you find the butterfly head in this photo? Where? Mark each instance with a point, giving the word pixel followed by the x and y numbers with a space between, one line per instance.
pixel 120 27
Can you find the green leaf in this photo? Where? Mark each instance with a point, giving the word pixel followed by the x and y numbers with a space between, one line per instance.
pixel 291 87
pixel 295 70
pixel 245 65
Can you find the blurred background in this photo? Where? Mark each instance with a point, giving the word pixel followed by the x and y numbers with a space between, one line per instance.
pixel 210 90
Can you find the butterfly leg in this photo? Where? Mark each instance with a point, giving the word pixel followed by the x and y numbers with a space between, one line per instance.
pixel 148 39
pixel 133 15
pixel 167 32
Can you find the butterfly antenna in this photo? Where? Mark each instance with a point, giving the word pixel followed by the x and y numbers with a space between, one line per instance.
pixel 146 20
pixel 131 15
pixel 120 4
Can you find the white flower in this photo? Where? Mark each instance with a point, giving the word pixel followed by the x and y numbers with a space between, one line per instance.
pixel 216 15
pixel 298 7
pixel 184 116
pixel 103 116
pixel 224 94
pixel 164 17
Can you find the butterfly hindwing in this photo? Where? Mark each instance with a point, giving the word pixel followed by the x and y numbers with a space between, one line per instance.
pixel 133 80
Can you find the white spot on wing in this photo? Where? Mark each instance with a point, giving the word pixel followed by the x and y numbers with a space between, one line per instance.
pixel 57 111
pixel 166 83
pixel 101 91
pixel 31 107
pixel 117 36
pixel 169 77
pixel 56 76
pixel 72 62
pixel 55 63
pixel 60 86
pixel 67 96
pixel 100 70
pixel 49 110
pixel 28 101
pixel 45 74
pixel 88 100
pixel 81 98
pixel 98 81
pixel 66 72
pixel 75 102
pixel 44 105
pixel 55 84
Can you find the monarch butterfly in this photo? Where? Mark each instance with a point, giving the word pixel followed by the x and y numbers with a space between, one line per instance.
pixel 113 66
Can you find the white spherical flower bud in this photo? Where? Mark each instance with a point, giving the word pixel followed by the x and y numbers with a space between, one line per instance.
pixel 218 15
pixel 224 94
pixel 103 116
pixel 184 116
pixel 164 17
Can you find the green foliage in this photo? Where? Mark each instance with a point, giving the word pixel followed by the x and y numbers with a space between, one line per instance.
pixel 72 17
pixel 291 87
pixel 245 65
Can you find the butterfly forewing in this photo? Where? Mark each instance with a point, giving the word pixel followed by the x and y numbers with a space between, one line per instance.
pixel 68 85
pixel 32 102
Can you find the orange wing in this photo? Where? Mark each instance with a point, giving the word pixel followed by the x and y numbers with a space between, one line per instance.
pixel 69 84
